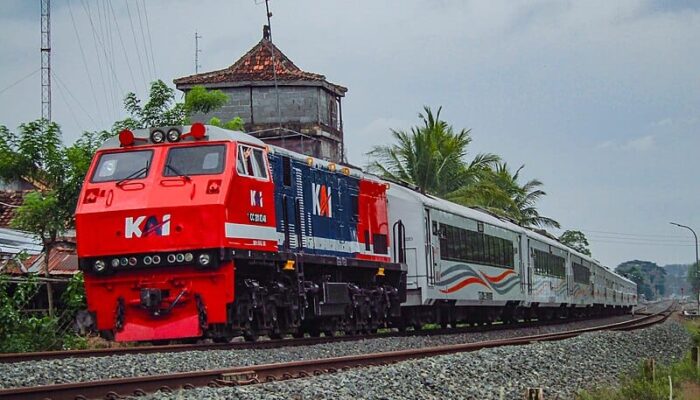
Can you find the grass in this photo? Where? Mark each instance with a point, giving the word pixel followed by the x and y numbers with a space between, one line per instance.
pixel 684 375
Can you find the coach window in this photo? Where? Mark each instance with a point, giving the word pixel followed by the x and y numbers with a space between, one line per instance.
pixel 251 162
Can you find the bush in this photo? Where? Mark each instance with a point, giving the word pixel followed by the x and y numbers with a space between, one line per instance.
pixel 23 332
pixel 637 387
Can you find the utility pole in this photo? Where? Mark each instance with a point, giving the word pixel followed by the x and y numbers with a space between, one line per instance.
pixel 46 112
pixel 46 59
pixel 697 258
pixel 196 52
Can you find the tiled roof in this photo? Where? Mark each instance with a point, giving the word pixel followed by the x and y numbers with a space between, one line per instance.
pixel 9 201
pixel 256 66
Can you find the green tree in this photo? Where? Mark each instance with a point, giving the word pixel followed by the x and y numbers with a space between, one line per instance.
pixel 161 109
pixel 431 157
pixel 201 100
pixel 36 154
pixel 694 277
pixel 576 240
pixel 499 191
pixel 236 124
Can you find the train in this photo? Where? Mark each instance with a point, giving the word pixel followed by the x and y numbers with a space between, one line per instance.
pixel 190 232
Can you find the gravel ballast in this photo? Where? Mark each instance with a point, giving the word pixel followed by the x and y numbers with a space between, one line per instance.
pixel 33 373
pixel 561 368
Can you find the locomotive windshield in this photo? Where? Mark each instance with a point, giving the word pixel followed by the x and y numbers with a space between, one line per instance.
pixel 121 166
pixel 195 160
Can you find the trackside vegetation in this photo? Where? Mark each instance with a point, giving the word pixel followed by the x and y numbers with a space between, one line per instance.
pixel 685 378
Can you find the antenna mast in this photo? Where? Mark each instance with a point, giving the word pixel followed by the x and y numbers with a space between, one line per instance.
pixel 46 59
pixel 274 69
pixel 196 52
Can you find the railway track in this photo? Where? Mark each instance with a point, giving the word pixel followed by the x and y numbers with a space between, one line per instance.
pixel 269 344
pixel 138 386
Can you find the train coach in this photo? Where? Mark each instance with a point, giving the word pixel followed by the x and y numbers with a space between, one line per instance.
pixel 467 265
pixel 198 231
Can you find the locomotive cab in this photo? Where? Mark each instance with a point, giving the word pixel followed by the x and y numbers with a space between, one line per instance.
pixel 157 210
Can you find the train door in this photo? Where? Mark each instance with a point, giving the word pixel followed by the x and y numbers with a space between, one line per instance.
pixel 522 269
pixel 530 266
pixel 431 231
pixel 285 197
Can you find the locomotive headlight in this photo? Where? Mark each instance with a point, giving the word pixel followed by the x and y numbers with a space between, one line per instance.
pixel 204 259
pixel 100 266
pixel 180 257
pixel 123 261
pixel 173 135
pixel 171 258
pixel 156 259
pixel 157 136
pixel 115 262
pixel 147 260
pixel 189 257
pixel 133 261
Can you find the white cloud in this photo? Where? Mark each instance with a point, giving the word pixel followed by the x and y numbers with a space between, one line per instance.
pixel 643 143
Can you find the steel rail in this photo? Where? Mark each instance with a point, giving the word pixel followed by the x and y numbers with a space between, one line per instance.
pixel 270 344
pixel 137 386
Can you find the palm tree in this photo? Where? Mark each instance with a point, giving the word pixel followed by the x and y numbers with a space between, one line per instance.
pixel 524 197
pixel 431 157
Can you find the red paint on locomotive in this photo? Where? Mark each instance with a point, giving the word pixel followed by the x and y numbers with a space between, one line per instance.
pixel 157 214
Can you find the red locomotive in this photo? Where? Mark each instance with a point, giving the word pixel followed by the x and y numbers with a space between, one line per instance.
pixel 198 231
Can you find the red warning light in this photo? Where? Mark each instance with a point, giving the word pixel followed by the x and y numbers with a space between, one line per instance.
pixel 126 138
pixel 198 130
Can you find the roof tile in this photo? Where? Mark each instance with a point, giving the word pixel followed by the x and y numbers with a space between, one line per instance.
pixel 256 65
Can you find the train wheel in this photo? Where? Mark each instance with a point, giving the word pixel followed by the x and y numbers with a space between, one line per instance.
pixel 250 336
pixel 275 335
pixel 314 332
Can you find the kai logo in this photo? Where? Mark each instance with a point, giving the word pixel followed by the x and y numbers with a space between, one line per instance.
pixel 256 198
pixel 146 225
pixel 322 200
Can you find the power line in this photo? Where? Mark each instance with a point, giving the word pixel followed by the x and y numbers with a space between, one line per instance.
pixel 102 33
pixel 136 46
pixel 640 244
pixel 106 37
pixel 20 80
pixel 143 39
pixel 121 41
pixel 150 39
pixel 88 12
pixel 634 234
pixel 82 54
pixel 642 240
pixel 102 44
pixel 65 87
pixel 70 109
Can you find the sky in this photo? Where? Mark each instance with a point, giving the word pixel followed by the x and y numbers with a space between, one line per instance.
pixel 598 99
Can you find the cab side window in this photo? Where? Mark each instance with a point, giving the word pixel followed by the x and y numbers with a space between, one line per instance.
pixel 251 162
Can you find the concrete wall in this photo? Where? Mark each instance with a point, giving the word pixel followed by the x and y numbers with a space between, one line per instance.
pixel 297 104
pixel 301 108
